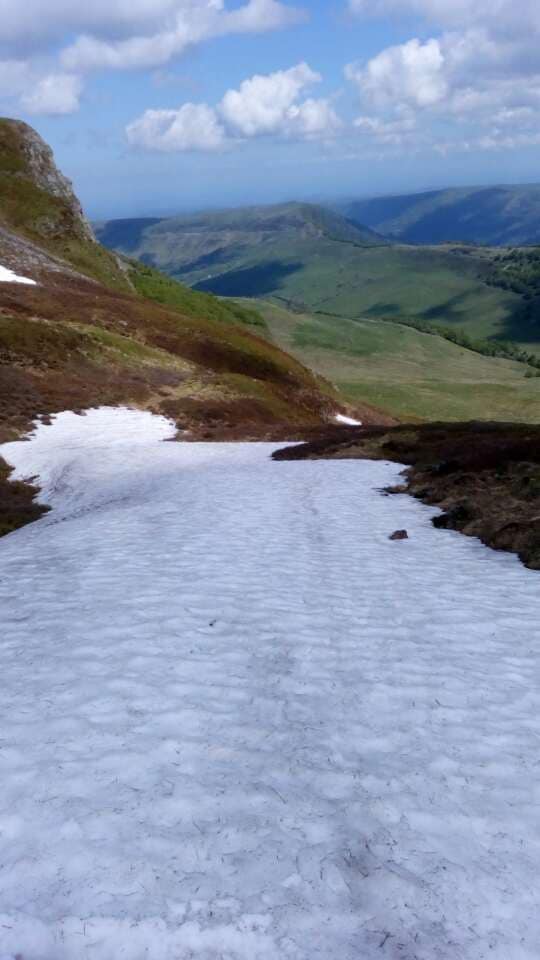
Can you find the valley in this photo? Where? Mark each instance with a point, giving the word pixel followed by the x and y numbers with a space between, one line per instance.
pixel 363 311
pixel 410 374
pixel 313 260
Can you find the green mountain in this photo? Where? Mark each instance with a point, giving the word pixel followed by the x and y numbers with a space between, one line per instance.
pixel 313 260
pixel 494 216
pixel 196 247
pixel 95 328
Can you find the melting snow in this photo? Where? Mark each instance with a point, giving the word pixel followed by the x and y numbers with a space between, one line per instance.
pixel 239 723
pixel 7 276
pixel 340 418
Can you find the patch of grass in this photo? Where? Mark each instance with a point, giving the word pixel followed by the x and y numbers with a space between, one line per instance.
pixel 127 348
pixel 423 400
pixel 42 344
pixel 412 375
pixel 156 286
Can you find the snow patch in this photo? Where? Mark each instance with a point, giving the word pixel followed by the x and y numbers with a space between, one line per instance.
pixel 7 276
pixel 236 722
pixel 341 418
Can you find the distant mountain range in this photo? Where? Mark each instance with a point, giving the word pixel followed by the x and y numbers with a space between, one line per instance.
pixel 494 216
pixel 200 245
pixel 310 258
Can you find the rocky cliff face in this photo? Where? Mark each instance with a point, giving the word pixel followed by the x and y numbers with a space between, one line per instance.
pixel 27 169
pixel 38 204
pixel 33 160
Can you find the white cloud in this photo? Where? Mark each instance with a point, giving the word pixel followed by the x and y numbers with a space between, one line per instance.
pixel 192 127
pixel 268 105
pixel 313 119
pixel 502 15
pixel 476 82
pixel 36 26
pixel 45 48
pixel 153 42
pixel 57 93
pixel 410 73
pixel 396 132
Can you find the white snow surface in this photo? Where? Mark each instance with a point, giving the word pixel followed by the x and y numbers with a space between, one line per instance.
pixel 239 723
pixel 341 418
pixel 7 276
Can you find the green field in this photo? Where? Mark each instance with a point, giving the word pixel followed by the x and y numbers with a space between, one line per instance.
pixel 413 375
pixel 435 284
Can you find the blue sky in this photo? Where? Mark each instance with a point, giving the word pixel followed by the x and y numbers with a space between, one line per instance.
pixel 157 106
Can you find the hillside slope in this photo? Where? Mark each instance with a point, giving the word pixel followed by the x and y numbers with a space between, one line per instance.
pixel 96 329
pixel 497 216
pixel 412 374
pixel 193 247
pixel 313 260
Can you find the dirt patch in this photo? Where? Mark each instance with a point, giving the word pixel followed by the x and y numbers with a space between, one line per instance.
pixel 484 476
pixel 17 502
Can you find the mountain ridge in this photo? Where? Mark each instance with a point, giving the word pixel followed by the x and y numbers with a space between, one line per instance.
pixel 189 245
pixel 498 215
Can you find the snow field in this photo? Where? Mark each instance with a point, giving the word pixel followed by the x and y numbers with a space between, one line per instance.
pixel 8 276
pixel 238 723
pixel 341 418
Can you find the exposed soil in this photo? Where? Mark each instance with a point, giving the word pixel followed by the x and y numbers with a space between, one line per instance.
pixel 484 476
pixel 17 503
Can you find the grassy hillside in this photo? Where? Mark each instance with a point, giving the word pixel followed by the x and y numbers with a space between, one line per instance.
pixel 38 203
pixel 449 285
pixel 296 255
pixel 73 344
pixel 153 285
pixel 97 328
pixel 502 215
pixel 412 375
pixel 191 247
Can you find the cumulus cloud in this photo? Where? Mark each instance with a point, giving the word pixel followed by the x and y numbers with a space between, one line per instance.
pixel 412 72
pixel 108 31
pixel 192 127
pixel 476 81
pixel 45 48
pixel 112 41
pixel 57 93
pixel 269 105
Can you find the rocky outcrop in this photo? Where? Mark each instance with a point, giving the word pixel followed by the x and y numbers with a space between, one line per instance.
pixel 37 165
pixel 27 163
